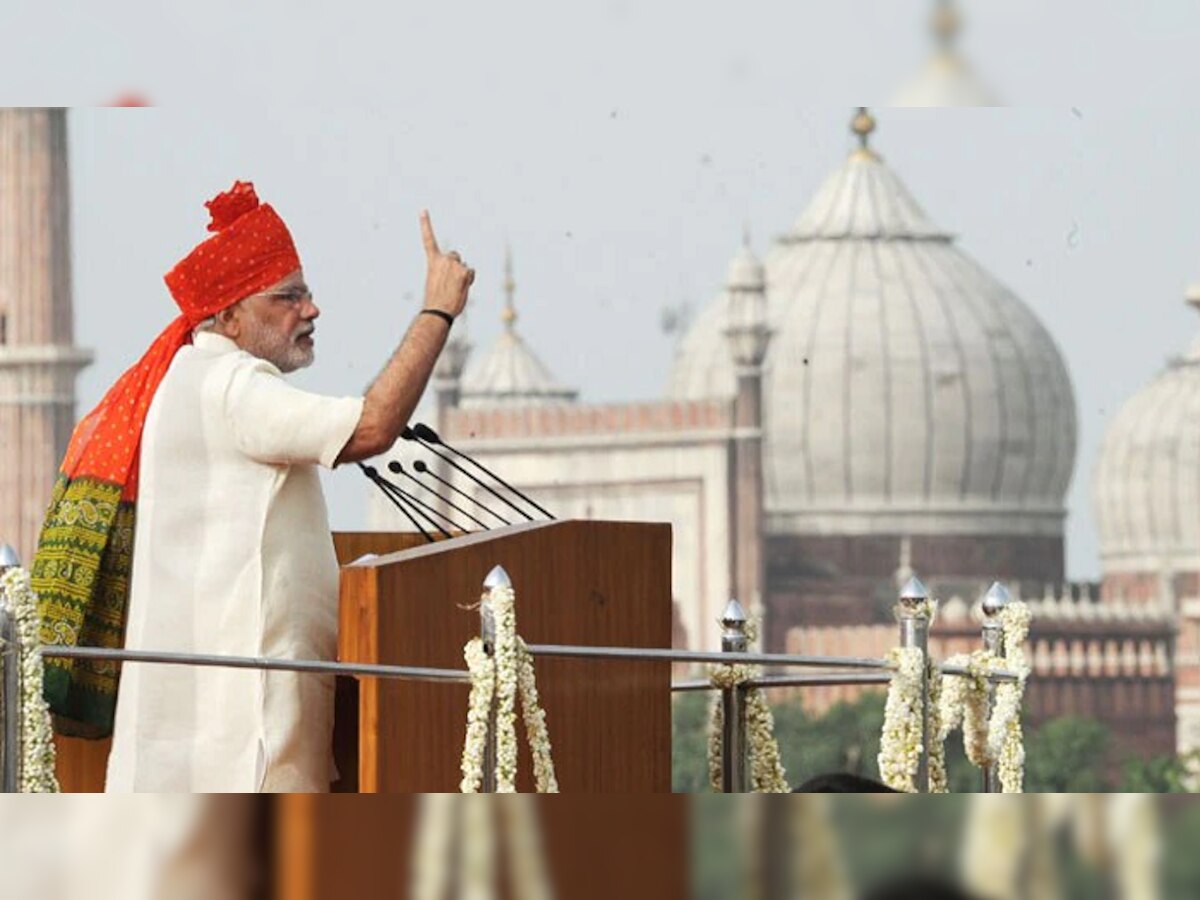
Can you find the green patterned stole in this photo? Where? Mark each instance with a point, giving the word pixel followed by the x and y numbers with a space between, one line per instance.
pixel 81 575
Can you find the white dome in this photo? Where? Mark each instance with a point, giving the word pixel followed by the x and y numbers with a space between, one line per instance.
pixel 510 373
pixel 946 78
pixel 905 389
pixel 1147 478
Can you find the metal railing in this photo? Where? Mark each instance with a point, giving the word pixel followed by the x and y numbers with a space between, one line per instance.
pixel 10 699
pixel 914 632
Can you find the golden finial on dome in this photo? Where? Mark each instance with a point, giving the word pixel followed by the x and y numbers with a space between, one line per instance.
pixel 509 314
pixel 863 124
pixel 946 23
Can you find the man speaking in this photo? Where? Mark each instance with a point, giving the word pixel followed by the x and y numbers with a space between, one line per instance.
pixel 188 516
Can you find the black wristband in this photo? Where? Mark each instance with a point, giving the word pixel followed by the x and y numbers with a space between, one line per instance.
pixel 441 314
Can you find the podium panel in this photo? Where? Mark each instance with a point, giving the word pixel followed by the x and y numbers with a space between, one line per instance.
pixel 576 582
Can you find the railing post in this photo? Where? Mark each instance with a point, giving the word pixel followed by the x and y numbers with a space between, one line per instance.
pixel 735 771
pixel 994 602
pixel 914 633
pixel 10 684
pixel 496 579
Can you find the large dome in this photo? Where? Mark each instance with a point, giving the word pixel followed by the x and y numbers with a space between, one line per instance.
pixel 906 390
pixel 1147 479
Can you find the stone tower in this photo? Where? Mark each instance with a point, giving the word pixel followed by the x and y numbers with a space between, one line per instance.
pixel 38 359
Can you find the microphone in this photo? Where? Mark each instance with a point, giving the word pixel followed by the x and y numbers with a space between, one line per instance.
pixel 373 475
pixel 409 435
pixel 427 435
pixel 423 509
pixel 397 469
pixel 420 466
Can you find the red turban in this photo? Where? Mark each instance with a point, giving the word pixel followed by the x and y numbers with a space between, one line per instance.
pixel 84 558
pixel 251 250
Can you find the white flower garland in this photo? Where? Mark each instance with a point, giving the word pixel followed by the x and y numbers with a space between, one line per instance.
pixel 463 846
pixel 535 725
pixel 1005 740
pixel 498 679
pixel 900 744
pixel 767 774
pixel 37 733
pixel 965 703
pixel 483 688
pixel 995 740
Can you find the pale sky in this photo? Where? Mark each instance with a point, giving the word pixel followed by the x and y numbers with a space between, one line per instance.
pixel 620 149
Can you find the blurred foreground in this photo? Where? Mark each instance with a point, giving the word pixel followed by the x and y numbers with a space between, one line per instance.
pixel 444 846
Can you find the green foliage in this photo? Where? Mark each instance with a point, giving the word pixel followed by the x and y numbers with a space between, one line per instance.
pixel 1071 754
pixel 1158 775
pixel 1068 755
pixel 844 739
pixel 689 742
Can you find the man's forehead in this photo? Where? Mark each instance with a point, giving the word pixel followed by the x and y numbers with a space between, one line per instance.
pixel 295 279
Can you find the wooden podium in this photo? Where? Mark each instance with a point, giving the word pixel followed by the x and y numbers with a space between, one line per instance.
pixel 576 582
pixel 588 583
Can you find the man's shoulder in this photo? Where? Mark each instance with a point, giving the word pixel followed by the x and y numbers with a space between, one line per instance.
pixel 230 363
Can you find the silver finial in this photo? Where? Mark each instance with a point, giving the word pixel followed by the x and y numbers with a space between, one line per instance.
pixel 914 593
pixel 995 600
pixel 734 616
pixel 8 557
pixel 497 578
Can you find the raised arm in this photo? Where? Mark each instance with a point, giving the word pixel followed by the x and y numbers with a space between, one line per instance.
pixel 394 395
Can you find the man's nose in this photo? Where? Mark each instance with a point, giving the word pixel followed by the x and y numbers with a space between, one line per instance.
pixel 311 310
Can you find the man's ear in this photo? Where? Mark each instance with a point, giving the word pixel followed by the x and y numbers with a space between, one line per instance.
pixel 230 321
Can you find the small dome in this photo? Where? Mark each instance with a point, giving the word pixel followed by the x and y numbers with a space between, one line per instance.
pixel 509 373
pixel 946 79
pixel 1147 477
pixel 905 389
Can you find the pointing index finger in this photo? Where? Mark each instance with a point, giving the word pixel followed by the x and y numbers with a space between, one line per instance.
pixel 431 245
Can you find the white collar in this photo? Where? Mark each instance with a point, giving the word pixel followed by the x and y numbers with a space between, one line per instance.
pixel 211 342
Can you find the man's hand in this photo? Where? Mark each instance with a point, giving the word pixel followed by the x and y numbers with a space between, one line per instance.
pixel 447 279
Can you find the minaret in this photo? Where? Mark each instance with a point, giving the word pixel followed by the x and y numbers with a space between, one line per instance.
pixel 748 335
pixel 38 359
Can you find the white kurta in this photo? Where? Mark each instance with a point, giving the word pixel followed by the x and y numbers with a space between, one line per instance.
pixel 232 555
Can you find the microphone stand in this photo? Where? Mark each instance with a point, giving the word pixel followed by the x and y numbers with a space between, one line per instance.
pixel 373 476
pixel 396 469
pixel 425 434
pixel 409 434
